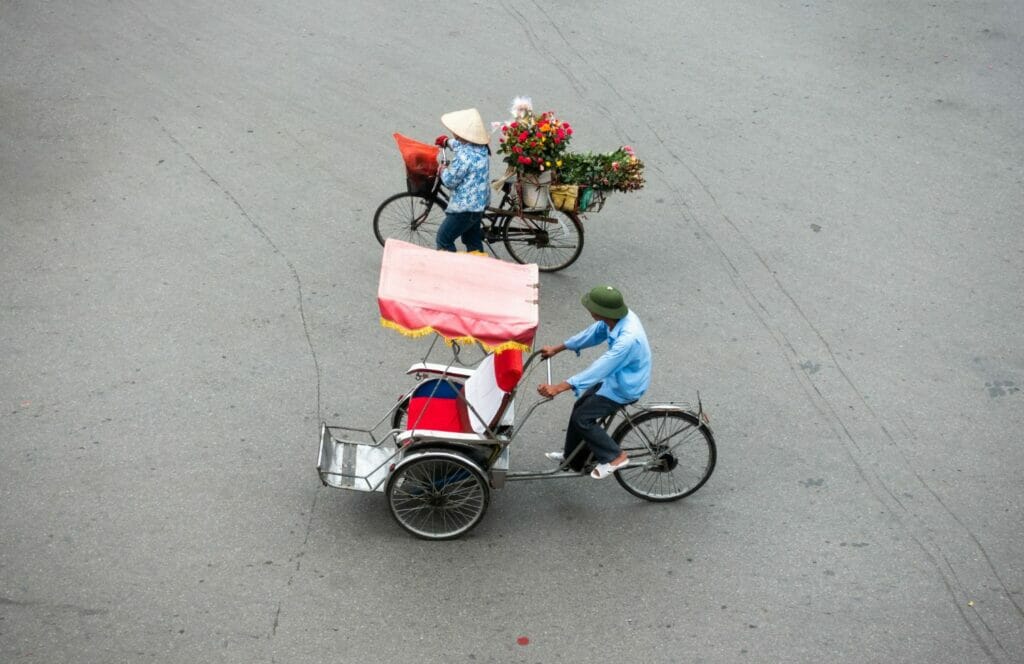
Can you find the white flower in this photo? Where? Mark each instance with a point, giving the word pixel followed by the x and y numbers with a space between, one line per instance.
pixel 521 106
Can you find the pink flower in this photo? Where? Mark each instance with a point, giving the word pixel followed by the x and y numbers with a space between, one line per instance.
pixel 615 165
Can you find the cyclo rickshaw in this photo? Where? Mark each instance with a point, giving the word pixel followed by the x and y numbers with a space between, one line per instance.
pixel 447 442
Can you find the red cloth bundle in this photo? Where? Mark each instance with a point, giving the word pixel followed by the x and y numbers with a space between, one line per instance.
pixel 508 368
pixel 420 158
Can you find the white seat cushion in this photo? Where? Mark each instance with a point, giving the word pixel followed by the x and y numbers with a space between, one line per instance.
pixel 431 434
pixel 485 397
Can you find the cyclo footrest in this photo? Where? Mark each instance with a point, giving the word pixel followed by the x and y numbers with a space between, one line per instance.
pixel 361 465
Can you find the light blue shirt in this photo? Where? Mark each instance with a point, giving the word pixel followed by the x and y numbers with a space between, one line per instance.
pixel 468 177
pixel 625 368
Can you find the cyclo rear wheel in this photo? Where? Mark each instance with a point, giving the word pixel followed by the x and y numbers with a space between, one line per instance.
pixel 411 217
pixel 400 416
pixel 437 495
pixel 671 454
pixel 553 241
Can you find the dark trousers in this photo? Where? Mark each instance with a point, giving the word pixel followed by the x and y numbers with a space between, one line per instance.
pixel 588 410
pixel 461 224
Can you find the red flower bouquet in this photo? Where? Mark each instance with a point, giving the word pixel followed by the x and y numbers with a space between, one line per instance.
pixel 534 144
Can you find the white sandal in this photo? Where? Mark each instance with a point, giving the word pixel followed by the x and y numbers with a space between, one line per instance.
pixel 603 470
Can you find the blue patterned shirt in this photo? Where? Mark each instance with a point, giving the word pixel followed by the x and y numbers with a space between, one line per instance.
pixel 468 177
pixel 624 370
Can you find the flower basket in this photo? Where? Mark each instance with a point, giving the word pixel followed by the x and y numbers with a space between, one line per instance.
pixel 533 146
pixel 535 190
pixel 574 198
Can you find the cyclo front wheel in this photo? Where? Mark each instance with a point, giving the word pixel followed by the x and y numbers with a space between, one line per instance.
pixel 437 495
pixel 671 454
pixel 553 242
pixel 411 217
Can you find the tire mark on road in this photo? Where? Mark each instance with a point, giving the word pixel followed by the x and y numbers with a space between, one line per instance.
pixel 914 525
pixel 82 611
pixel 855 450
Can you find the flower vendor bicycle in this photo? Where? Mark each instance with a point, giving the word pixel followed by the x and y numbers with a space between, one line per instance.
pixel 549 237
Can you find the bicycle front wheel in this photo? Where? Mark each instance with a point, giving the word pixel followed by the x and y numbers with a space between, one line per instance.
pixel 411 217
pixel 552 242
pixel 671 455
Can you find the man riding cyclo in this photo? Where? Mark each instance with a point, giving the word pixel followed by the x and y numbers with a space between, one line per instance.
pixel 619 377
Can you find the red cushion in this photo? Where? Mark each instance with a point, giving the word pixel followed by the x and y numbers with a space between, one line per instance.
pixel 438 414
pixel 436 404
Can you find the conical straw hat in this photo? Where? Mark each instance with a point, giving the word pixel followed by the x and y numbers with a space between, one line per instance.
pixel 467 125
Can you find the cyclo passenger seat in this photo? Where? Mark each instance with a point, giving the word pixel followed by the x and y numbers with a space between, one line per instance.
pixel 484 401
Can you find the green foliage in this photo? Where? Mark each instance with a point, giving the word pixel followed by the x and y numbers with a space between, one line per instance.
pixel 612 171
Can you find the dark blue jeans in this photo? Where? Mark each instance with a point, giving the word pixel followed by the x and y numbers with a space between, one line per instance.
pixel 588 410
pixel 461 224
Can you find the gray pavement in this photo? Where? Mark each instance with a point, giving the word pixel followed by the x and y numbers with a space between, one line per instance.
pixel 828 248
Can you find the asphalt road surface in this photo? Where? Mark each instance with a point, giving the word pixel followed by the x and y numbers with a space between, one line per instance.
pixel 828 248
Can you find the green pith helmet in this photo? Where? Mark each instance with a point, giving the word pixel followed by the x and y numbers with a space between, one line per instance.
pixel 606 302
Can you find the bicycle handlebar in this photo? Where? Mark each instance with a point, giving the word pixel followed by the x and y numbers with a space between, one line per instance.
pixel 534 355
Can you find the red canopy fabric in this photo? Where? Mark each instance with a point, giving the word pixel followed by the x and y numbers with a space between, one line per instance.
pixel 463 297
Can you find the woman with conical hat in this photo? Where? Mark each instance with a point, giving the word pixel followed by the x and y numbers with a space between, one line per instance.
pixel 467 178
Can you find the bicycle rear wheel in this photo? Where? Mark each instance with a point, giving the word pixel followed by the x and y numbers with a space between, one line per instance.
pixel 438 495
pixel 411 217
pixel 552 242
pixel 671 455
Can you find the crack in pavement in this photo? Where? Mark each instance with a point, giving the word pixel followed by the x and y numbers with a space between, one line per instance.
pixel 273 246
pixel 305 329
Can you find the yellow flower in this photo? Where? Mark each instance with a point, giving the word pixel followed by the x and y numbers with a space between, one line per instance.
pixel 558 163
pixel 548 164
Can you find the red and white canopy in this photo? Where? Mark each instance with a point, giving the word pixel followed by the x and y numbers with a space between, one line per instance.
pixel 462 297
